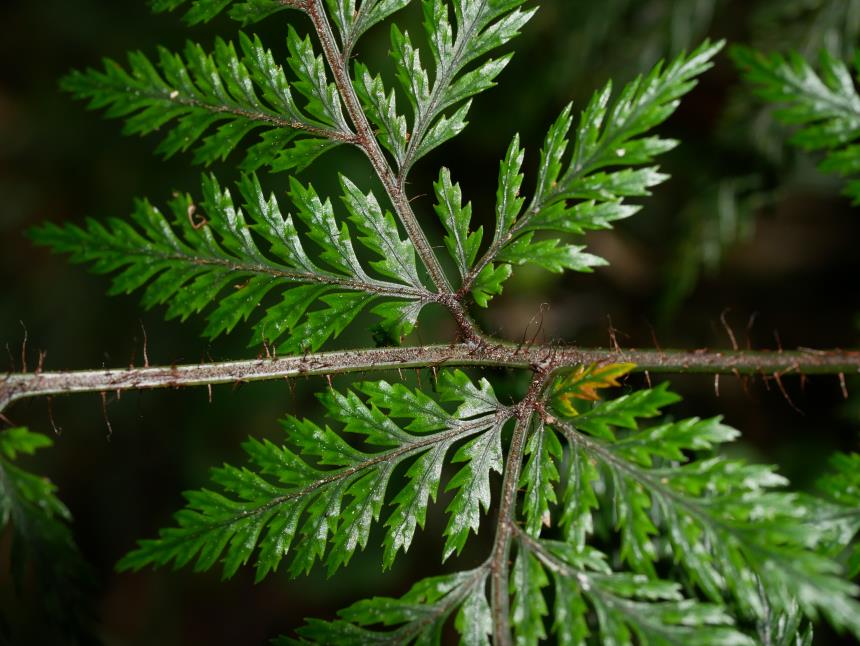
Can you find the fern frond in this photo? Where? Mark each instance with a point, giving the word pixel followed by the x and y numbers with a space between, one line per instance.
pixel 380 105
pixel 838 515
pixel 43 552
pixel 318 496
pixel 540 477
pixel 585 188
pixel 461 243
pixel 825 108
pixel 727 527
pixel 439 106
pixel 244 11
pixel 629 608
pixel 226 94
pixel 625 605
pixel 786 627
pixel 419 616
pixel 352 21
pixel 22 493
pixel 528 605
pixel 208 256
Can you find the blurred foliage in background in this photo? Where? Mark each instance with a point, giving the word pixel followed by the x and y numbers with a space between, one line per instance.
pixel 746 228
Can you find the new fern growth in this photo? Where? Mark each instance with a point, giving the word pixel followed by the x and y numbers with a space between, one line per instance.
pixel 705 550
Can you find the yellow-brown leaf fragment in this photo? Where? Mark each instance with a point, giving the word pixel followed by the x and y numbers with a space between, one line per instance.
pixel 583 384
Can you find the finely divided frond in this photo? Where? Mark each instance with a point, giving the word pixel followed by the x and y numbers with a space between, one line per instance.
pixel 440 101
pixel 585 186
pixel 540 477
pixel 461 243
pixel 825 108
pixel 352 22
pixel 727 526
pixel 352 17
pixel 317 497
pixel 419 616
pixel 839 512
pixel 43 555
pixel 22 493
pixel 226 94
pixel 208 256
pixel 629 608
pixel 244 11
pixel 471 485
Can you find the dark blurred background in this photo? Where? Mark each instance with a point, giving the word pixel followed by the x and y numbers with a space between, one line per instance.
pixel 746 226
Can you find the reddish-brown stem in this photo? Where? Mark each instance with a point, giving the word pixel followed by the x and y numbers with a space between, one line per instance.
pixel 16 386
pixel 499 566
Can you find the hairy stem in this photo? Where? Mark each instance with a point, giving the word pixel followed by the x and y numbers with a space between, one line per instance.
pixel 14 386
pixel 499 566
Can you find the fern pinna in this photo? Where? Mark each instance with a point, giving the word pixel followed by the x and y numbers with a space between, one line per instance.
pixel 611 522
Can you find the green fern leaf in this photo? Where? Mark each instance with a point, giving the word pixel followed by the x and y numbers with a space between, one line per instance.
pixel 474 622
pixel 43 556
pixel 552 255
pixel 579 500
pixel 318 497
pixel 785 628
pixel 22 493
pixel 410 71
pixel 462 244
pixel 539 477
pixel 190 262
pixel 825 108
pixel 574 190
pixel 352 22
pixel 480 27
pixel 381 108
pixel 381 236
pixel 323 98
pixel 246 12
pixel 529 607
pixel 221 93
pixel 489 283
pixel 839 512
pixel 727 527
pixel 509 203
pixel 629 608
pixel 472 486
pixel 419 616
